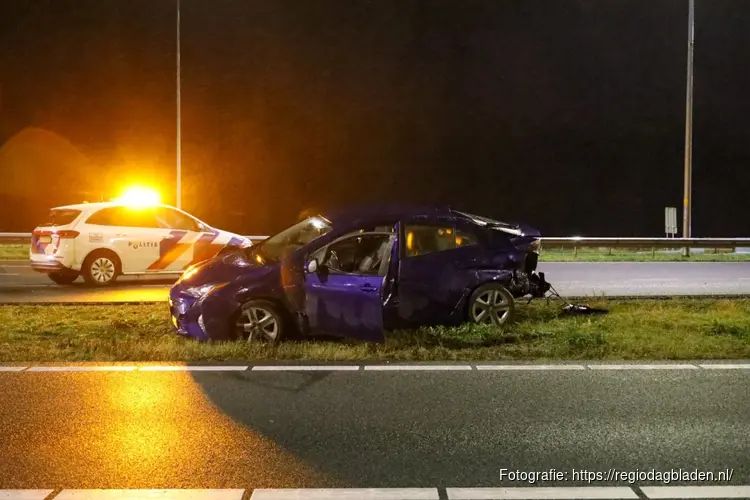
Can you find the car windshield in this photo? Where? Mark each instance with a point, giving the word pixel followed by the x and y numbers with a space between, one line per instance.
pixel 292 238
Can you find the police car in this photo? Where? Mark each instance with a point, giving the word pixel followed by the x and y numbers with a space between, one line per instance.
pixel 101 241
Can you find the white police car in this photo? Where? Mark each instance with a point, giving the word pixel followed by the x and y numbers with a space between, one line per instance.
pixel 101 241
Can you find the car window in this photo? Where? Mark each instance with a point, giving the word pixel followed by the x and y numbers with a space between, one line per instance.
pixel 423 239
pixel 172 219
pixel 104 217
pixel 124 217
pixel 465 238
pixel 360 255
pixel 60 217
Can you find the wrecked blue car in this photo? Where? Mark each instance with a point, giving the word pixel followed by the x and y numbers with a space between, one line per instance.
pixel 359 273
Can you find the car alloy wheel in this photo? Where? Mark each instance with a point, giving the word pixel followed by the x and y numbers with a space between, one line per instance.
pixel 102 270
pixel 491 304
pixel 258 322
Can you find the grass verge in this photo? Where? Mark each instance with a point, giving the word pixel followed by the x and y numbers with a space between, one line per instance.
pixel 638 255
pixel 634 329
pixel 14 251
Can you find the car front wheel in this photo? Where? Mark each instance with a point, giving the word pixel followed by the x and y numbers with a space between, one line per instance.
pixel 491 304
pixel 259 321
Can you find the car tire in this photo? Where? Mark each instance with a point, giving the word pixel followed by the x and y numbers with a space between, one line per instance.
pixel 63 278
pixel 261 321
pixel 101 268
pixel 491 304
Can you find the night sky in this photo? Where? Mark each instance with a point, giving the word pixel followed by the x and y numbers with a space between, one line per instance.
pixel 565 114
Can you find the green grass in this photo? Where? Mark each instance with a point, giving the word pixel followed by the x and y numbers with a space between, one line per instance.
pixel 634 329
pixel 14 251
pixel 637 255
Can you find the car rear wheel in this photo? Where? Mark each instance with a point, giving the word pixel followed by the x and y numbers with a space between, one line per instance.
pixel 101 268
pixel 491 304
pixel 259 321
pixel 63 278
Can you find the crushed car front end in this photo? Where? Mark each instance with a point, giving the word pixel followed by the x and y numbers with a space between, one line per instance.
pixel 204 300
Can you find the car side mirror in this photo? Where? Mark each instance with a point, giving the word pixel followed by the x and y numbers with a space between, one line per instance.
pixel 312 266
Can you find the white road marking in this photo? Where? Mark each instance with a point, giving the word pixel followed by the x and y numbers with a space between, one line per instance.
pixel 303 368
pixel 8 274
pixel 347 494
pixel 147 494
pixel 104 368
pixel 531 367
pixel 643 367
pixel 12 369
pixel 185 368
pixel 726 366
pixel 696 491
pixel 585 492
pixel 24 494
pixel 416 367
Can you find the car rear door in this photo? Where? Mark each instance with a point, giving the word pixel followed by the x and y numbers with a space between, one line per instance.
pixel 437 263
pixel 131 231
pixel 344 295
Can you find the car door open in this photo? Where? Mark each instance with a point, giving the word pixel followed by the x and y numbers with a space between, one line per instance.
pixel 344 286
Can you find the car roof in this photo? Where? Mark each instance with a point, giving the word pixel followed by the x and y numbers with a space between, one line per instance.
pixel 362 213
pixel 99 204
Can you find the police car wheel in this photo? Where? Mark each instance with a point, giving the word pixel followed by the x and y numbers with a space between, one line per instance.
pixel 63 278
pixel 259 321
pixel 101 268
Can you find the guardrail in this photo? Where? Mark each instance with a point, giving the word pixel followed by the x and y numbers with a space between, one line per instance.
pixel 575 241
pixel 608 244
pixel 569 242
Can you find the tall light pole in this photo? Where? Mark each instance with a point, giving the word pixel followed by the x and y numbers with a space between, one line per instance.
pixel 179 121
pixel 687 201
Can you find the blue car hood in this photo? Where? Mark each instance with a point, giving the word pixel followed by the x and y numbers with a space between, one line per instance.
pixel 223 269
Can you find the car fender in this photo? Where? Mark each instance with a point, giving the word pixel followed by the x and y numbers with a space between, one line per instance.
pixel 481 277
pixel 103 246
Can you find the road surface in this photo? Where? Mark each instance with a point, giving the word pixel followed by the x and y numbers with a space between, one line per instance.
pixel 373 428
pixel 18 283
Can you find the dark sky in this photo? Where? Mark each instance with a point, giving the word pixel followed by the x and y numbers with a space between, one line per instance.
pixel 566 114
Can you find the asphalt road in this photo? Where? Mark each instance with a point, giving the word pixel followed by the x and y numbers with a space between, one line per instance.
pixel 18 283
pixel 367 429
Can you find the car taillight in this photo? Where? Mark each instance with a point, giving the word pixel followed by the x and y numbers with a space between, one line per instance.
pixel 68 233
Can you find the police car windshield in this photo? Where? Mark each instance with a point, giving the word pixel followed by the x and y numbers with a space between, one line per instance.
pixel 292 238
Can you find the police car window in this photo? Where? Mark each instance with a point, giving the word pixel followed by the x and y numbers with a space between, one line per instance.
pixel 103 217
pixel 60 217
pixel 135 217
pixel 172 219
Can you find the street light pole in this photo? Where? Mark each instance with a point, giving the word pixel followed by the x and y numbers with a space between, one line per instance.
pixel 179 121
pixel 688 182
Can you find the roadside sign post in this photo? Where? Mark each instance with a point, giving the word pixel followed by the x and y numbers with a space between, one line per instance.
pixel 670 221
